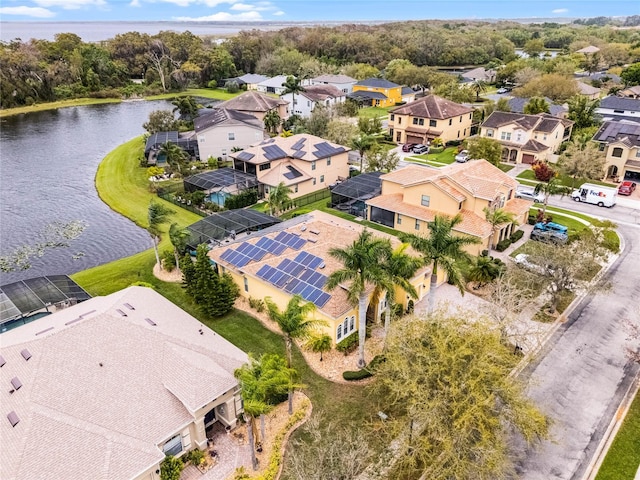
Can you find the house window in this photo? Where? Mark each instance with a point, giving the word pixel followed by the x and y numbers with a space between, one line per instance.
pixel 450 121
pixel 617 152
pixel 232 136
pixel 328 161
pixel 417 224
pixel 505 136
pixel 313 165
pixel 246 284
pixel 490 132
pixel 321 178
pixel 399 221
pixel 314 180
pixel 173 446
pixel 425 200
pixel 392 117
pixel 264 166
pixel 339 335
pixel 433 123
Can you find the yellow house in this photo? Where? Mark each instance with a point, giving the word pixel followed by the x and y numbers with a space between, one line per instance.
pixel 293 258
pixel 621 142
pixel 429 117
pixel 412 196
pixel 377 92
pixel 526 138
pixel 304 163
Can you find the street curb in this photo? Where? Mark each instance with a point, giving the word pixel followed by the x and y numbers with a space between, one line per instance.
pixel 612 430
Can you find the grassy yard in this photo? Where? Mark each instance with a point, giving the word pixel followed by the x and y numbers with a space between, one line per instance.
pixel 370 112
pixel 623 457
pixel 564 180
pixel 39 107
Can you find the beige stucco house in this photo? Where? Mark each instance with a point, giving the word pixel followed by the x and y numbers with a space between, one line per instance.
pixel 304 163
pixel 526 138
pixel 256 104
pixel 222 130
pixel 621 142
pixel 414 195
pixel 429 117
pixel 106 388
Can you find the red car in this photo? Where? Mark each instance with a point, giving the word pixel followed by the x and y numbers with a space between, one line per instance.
pixel 408 147
pixel 626 188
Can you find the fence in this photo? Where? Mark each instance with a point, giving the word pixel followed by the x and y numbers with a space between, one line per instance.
pixel 307 199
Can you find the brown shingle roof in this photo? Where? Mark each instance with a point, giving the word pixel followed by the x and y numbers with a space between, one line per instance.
pixel 252 102
pixel 432 106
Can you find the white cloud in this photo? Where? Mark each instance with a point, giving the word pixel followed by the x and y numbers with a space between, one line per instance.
pixel 36 12
pixel 560 10
pixel 278 13
pixel 224 17
pixel 70 4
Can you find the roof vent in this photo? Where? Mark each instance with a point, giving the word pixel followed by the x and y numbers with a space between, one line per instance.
pixel 26 354
pixel 13 418
pixel 2 361
pixel 121 312
pixel 150 322
pixel 15 381
pixel 129 306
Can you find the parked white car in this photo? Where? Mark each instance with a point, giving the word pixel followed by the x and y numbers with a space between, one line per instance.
pixel 529 194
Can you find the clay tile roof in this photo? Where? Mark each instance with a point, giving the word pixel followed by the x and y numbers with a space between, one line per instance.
pixel 432 106
pixel 252 102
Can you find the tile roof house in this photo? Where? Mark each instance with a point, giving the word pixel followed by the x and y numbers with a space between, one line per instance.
pixel 619 108
pixel 256 104
pixel 304 163
pixel 221 130
pixel 414 195
pixel 377 92
pixel 526 138
pixel 621 142
pixel 517 104
pixel 272 85
pixel 429 117
pixel 343 83
pixel 106 388
pixel 293 258
pixel 306 101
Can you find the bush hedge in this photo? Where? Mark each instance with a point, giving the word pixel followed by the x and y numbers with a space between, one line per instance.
pixel 503 245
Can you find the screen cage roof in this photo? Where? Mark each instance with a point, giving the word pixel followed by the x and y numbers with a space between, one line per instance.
pixel 220 179
pixel 24 297
pixel 217 227
pixel 360 187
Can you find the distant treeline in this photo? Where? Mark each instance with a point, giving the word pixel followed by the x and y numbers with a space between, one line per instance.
pixel 39 70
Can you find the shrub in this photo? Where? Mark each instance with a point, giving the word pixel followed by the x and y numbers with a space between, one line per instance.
pixel 348 344
pixel 503 245
pixel 517 235
pixel 257 304
pixel 168 260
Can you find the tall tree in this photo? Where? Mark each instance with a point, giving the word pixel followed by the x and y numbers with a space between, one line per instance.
pixel 272 121
pixel 362 269
pixel 361 144
pixel 278 197
pixel 295 324
pixel 157 214
pixel 292 85
pixel 452 402
pixel 582 111
pixel 536 105
pixel 443 249
pixel 497 217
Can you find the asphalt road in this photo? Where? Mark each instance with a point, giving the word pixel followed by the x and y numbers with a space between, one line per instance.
pixel 582 373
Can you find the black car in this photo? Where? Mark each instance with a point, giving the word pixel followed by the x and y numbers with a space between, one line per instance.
pixel 420 149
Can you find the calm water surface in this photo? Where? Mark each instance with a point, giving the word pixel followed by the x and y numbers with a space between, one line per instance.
pixel 48 161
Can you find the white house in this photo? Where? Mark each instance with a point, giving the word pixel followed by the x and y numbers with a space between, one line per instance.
pixel 223 130
pixel 313 95
pixel 108 387
pixel 272 85
pixel 343 83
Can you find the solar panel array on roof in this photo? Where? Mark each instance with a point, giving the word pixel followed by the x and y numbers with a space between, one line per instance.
pixel 273 152
pixel 298 277
pixel 246 252
pixel 292 173
pixel 245 156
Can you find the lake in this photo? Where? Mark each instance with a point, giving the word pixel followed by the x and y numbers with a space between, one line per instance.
pixel 48 162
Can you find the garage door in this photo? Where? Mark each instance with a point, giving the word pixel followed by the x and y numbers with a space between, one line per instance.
pixel 529 159
pixel 414 139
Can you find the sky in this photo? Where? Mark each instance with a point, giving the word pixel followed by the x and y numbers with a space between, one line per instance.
pixel 301 10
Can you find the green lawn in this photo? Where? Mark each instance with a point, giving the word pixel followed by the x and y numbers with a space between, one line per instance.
pixel 74 102
pixel 564 180
pixel 370 112
pixel 214 93
pixel 623 457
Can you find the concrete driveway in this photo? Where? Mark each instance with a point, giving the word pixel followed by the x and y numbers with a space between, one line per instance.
pixel 582 373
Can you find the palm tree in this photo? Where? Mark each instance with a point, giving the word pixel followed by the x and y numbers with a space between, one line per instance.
pixel 292 86
pixel 536 105
pixel 157 215
pixel 497 217
pixel 174 154
pixel 362 262
pixel 362 143
pixel 552 187
pixel 400 267
pixel 294 324
pixel 319 343
pixel 443 249
pixel 278 196
pixel 272 121
pixel 479 86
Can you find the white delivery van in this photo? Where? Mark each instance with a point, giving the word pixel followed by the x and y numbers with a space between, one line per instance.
pixel 596 194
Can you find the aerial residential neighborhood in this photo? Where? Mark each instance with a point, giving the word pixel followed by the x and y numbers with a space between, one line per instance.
pixel 268 246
